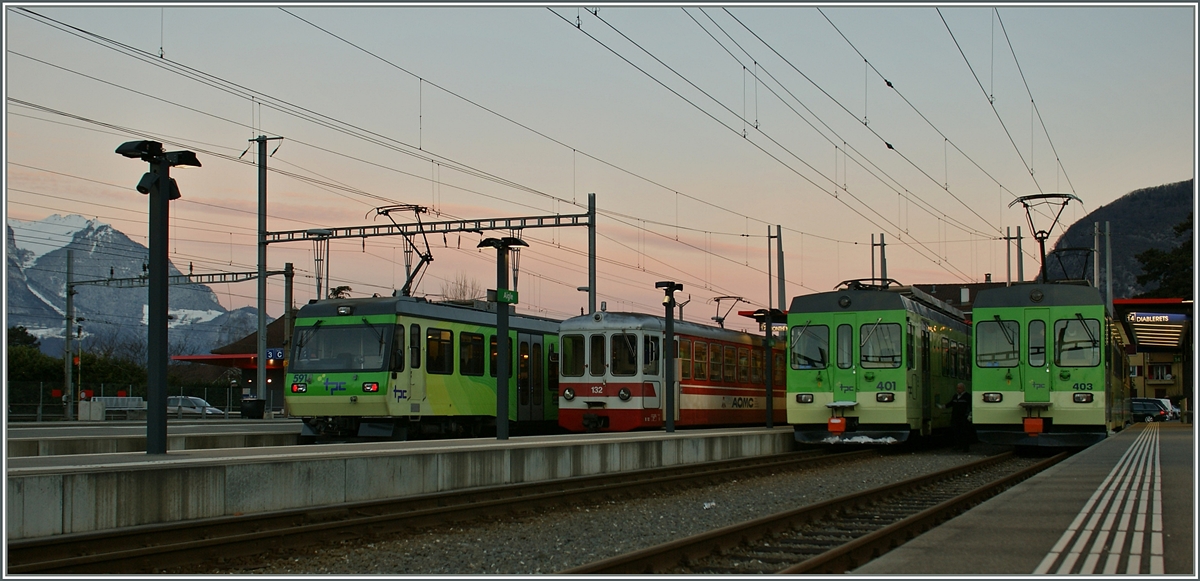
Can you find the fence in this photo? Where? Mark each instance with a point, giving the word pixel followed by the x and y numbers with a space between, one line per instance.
pixel 33 401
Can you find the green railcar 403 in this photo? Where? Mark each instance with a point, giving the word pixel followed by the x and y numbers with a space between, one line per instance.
pixel 1050 369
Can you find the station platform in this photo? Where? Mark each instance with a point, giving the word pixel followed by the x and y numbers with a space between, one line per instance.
pixel 62 494
pixel 1123 506
pixel 58 438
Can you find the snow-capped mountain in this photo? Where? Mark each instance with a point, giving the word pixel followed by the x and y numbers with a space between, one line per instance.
pixel 37 267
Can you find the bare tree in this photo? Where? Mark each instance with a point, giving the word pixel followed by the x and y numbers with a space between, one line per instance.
pixel 462 288
pixel 340 292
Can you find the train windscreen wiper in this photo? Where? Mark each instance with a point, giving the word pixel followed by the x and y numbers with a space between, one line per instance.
pixel 1086 329
pixel 871 332
pixel 377 333
pixel 305 338
pixel 1004 330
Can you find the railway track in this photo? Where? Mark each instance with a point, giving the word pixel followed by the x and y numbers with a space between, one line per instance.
pixel 148 548
pixel 834 536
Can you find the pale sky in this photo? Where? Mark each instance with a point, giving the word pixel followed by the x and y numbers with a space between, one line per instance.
pixel 690 157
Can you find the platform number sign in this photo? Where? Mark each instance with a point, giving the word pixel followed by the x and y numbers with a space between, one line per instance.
pixel 276 353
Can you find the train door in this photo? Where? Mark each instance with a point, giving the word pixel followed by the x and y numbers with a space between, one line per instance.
pixel 530 381
pixel 926 376
pixel 844 374
pixel 652 373
pixel 400 388
pixel 1036 381
pixel 416 375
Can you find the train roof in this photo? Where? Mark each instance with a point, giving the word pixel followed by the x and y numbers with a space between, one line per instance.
pixel 888 299
pixel 1038 295
pixel 472 312
pixel 646 322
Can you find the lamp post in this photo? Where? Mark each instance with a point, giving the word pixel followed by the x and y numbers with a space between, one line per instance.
pixel 158 184
pixel 669 288
pixel 502 297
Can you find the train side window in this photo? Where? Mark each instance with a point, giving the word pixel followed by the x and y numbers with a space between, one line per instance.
pixel 495 356
pixel 1077 342
pixel 398 350
pixel 1037 343
pixel 997 343
pixel 624 354
pixel 596 363
pixel 439 351
pixel 729 366
pixel 882 344
pixel 685 358
pixel 552 371
pixel 414 345
pixel 810 347
pixel 470 354
pixel 743 365
pixel 714 362
pixel 700 360
pixel 756 366
pixel 945 356
pixel 845 347
pixel 650 356
pixel 779 370
pixel 911 348
pixel 572 355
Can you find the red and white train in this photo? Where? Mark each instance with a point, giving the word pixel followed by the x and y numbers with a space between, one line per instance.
pixel 611 375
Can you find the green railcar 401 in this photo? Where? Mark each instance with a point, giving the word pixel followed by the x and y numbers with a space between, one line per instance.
pixel 873 363
pixel 403 367
pixel 1050 369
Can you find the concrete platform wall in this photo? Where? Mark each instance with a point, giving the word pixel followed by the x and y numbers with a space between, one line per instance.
pixel 95 498
pixel 25 447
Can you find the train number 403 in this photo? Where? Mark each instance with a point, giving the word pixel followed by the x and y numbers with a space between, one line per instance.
pixel 1082 387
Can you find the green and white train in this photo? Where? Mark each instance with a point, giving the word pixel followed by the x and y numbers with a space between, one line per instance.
pixel 873 362
pixel 1049 369
pixel 403 367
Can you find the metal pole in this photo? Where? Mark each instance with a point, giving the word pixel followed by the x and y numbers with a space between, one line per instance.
pixel 591 253
pixel 767 339
pixel 261 362
pixel 1008 255
pixel 68 374
pixel 156 334
pixel 288 275
pixel 669 360
pixel 1020 258
pixel 779 261
pixel 1108 281
pixel 502 352
pixel 882 259
pixel 1096 256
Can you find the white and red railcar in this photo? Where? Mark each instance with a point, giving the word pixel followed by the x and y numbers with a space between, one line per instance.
pixel 611 375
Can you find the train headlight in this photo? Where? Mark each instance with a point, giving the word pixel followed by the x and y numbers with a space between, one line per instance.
pixel 299 387
pixel 885 397
pixel 993 397
pixel 568 394
pixel 371 387
pixel 624 394
pixel 804 398
pixel 1083 398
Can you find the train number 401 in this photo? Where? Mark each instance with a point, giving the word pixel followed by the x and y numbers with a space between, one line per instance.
pixel 1082 387
pixel 886 386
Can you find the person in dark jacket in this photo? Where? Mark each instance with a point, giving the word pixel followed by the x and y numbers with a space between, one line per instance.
pixel 960 414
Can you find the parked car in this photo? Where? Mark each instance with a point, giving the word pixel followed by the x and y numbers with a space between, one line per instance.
pixel 1149 410
pixel 190 406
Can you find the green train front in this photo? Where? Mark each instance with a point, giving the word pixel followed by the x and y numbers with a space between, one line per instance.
pixel 1049 368
pixel 403 367
pixel 872 365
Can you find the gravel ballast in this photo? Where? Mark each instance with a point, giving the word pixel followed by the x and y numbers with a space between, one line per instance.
pixel 548 541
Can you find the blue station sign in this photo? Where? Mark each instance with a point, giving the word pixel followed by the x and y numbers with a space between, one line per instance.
pixel 1134 317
